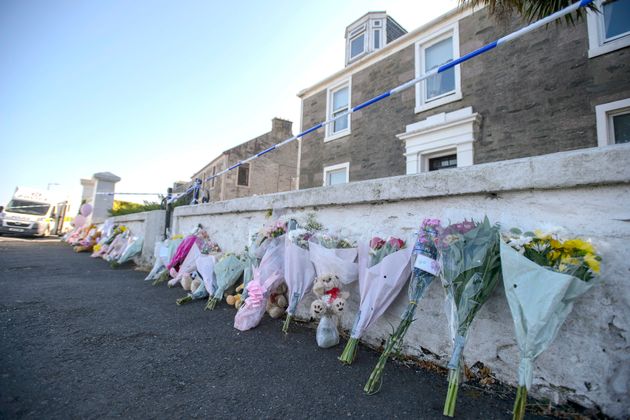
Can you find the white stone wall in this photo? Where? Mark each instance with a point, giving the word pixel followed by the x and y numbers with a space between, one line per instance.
pixel 586 192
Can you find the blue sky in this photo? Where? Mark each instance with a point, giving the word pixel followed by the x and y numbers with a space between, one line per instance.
pixel 153 90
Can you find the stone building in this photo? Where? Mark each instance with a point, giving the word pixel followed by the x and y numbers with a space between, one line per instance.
pixel 270 173
pixel 558 88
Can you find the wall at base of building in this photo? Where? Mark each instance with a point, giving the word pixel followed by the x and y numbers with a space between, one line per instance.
pixel 586 192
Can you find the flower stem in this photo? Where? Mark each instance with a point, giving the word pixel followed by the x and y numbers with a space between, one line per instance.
pixel 350 351
pixel 287 321
pixel 520 403
pixel 161 279
pixel 451 396
pixel 212 303
pixel 373 384
pixel 183 300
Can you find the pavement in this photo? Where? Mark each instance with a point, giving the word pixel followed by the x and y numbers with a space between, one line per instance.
pixel 82 340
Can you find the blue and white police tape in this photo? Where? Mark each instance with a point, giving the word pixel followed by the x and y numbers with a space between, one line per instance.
pixel 517 34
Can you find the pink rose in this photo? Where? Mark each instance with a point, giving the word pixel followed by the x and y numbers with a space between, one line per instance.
pixel 396 243
pixel 377 243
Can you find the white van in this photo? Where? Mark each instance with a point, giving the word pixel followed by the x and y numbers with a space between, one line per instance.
pixel 34 212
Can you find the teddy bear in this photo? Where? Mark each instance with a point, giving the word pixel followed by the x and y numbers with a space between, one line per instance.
pixel 277 302
pixel 330 298
pixel 195 283
pixel 236 299
pixel 186 281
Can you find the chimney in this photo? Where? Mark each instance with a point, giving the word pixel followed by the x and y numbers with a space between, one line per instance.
pixel 278 125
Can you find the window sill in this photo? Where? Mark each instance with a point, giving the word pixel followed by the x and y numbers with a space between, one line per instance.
pixel 456 96
pixel 609 47
pixel 336 136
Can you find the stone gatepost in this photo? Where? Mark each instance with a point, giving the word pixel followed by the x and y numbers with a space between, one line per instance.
pixel 101 182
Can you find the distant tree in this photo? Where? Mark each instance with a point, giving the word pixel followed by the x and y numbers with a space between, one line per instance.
pixel 530 10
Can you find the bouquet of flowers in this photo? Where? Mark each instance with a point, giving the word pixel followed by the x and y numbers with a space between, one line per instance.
pixel 383 269
pixel 227 271
pixel 471 269
pixel 87 244
pixel 205 270
pixel 182 251
pixel 267 277
pixel 165 253
pixel 334 259
pixel 331 254
pixel 424 271
pixel 115 249
pixel 103 245
pixel 186 268
pixel 543 276
pixel 299 272
pixel 133 248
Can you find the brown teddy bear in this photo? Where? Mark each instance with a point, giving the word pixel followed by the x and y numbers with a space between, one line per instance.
pixel 330 298
pixel 236 299
pixel 277 302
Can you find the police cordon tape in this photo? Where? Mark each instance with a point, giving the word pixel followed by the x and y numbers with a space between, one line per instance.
pixel 455 62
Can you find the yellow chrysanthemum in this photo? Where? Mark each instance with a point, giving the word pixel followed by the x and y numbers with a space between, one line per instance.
pixel 542 235
pixel 97 247
pixel 123 228
pixel 554 255
pixel 569 260
pixel 555 244
pixel 580 245
pixel 592 262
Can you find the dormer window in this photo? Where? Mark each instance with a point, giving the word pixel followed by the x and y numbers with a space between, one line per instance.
pixel 357 42
pixel 370 33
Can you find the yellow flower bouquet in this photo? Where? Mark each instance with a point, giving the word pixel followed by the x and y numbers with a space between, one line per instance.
pixel 543 275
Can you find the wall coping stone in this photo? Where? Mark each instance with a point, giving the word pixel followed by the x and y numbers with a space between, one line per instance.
pixel 577 168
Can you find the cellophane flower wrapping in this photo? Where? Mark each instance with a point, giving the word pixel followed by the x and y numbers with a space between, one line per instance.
pixel 227 271
pixel 258 244
pixel 331 254
pixel 470 271
pixel 267 277
pixel 205 268
pixel 384 267
pixel 134 247
pixel 158 266
pixel 182 251
pixel 542 276
pixel 424 271
pixel 116 247
pixel 299 272
pixel 187 266
pixel 164 255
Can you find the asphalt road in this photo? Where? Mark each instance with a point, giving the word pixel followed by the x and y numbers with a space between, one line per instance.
pixel 81 340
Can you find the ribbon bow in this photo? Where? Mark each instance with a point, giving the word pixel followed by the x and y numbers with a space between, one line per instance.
pixel 333 293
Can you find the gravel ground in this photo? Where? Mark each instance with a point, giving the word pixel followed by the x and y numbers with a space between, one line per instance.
pixel 81 340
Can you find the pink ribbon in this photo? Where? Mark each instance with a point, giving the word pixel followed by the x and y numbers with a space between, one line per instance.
pixel 255 293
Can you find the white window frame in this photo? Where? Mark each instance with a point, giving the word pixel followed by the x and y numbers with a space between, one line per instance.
pixel 329 96
pixel 597 44
pixel 420 46
pixel 332 168
pixel 381 36
pixel 363 31
pixel 424 158
pixel 604 114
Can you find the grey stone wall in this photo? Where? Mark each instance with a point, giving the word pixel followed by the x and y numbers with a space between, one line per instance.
pixel 536 95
